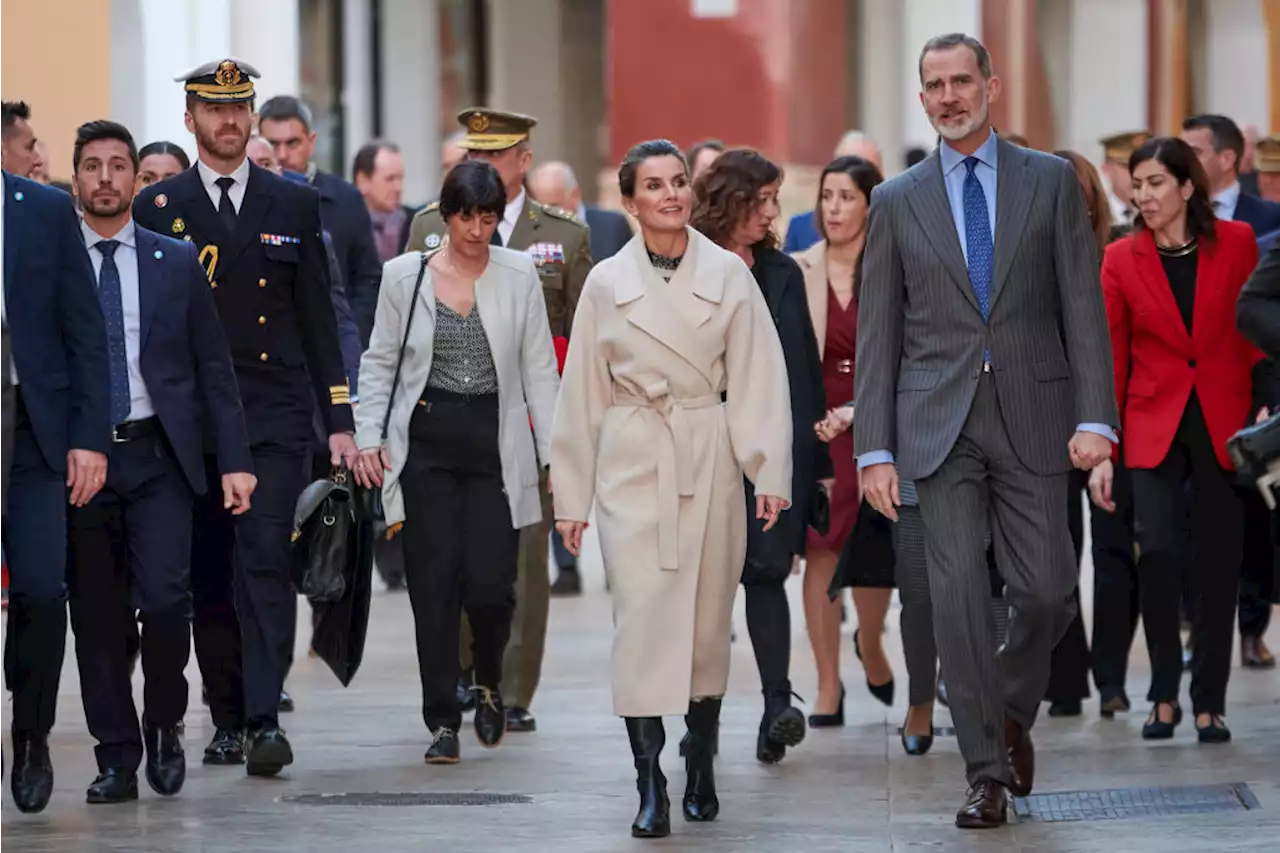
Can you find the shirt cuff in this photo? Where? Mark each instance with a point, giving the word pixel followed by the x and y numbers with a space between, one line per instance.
pixel 1101 429
pixel 875 457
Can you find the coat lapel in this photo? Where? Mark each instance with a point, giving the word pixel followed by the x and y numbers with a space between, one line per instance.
pixel 13 231
pixel 813 263
pixel 1015 187
pixel 196 216
pixel 525 234
pixel 151 280
pixel 257 201
pixel 1151 272
pixel 928 199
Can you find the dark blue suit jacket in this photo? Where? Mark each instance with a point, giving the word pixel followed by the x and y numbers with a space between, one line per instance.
pixel 609 232
pixel 346 217
pixel 56 330
pixel 802 233
pixel 186 361
pixel 1262 216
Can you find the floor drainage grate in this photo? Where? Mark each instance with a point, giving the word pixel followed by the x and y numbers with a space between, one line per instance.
pixel 408 799
pixel 1120 803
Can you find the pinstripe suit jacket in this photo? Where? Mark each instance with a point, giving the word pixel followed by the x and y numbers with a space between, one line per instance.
pixel 921 335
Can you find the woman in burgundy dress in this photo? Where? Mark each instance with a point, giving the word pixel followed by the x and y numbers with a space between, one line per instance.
pixel 831 270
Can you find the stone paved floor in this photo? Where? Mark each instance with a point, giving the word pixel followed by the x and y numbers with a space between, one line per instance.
pixel 850 790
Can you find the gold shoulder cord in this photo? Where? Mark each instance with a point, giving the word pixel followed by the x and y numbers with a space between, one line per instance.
pixel 210 254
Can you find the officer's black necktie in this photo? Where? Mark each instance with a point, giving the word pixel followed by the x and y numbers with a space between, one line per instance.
pixel 226 210
pixel 496 239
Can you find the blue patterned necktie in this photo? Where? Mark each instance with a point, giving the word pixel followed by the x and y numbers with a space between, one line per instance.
pixel 113 311
pixel 977 237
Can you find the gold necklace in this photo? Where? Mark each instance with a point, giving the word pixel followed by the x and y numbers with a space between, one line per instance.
pixel 1177 251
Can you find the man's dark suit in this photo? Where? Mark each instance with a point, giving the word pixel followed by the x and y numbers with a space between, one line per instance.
pixel 609 232
pixel 270 288
pixel 59 349
pixel 1260 215
pixel 346 218
pixel 130 547
pixel 988 449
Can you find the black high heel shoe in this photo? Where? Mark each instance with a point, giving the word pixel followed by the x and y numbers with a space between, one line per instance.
pixel 1215 732
pixel 829 721
pixel 916 744
pixel 1155 728
pixel 883 692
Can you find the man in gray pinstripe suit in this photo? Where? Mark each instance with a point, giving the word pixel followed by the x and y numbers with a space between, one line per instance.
pixel 984 372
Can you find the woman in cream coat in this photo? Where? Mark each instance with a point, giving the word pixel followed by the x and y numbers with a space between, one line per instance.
pixel 674 387
pixel 456 460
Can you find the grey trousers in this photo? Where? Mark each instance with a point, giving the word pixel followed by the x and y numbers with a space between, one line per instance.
pixel 983 485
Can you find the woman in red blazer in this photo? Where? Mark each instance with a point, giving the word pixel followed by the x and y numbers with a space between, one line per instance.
pixel 1184 386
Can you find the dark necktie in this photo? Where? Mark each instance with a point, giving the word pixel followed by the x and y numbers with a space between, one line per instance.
pixel 977 236
pixel 496 239
pixel 226 210
pixel 113 311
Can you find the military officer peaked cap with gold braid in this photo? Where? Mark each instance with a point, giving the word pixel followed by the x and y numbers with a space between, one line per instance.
pixel 222 81
pixel 493 130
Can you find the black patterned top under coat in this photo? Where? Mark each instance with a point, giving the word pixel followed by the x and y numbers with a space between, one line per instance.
pixel 461 362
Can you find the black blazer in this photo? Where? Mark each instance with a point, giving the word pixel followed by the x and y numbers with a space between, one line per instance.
pixel 609 232
pixel 1262 216
pixel 346 218
pixel 782 284
pixel 186 361
pixel 56 331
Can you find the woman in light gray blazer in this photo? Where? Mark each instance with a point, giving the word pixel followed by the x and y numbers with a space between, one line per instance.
pixel 460 366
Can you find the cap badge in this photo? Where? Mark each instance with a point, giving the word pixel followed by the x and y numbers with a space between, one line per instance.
pixel 162 200
pixel 227 74
pixel 478 123
pixel 179 226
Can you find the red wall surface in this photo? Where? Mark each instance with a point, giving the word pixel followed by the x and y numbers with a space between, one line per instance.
pixel 771 77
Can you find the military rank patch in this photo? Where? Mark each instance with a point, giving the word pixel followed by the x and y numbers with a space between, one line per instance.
pixel 278 240
pixel 546 253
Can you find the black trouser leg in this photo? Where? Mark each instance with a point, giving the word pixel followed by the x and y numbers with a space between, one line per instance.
pixel 769 624
pixel 1116 605
pixel 1217 530
pixel 491 548
pixel 1258 567
pixel 912 576
pixel 216 628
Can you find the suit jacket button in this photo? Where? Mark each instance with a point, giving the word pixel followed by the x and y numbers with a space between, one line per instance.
pixel 1192 364
pixel 262 282
pixel 262 357
pixel 262 321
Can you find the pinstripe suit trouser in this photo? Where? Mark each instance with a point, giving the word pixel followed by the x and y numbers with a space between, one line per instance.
pixel 981 486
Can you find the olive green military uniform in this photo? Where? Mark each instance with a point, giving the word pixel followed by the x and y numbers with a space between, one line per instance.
pixel 559 245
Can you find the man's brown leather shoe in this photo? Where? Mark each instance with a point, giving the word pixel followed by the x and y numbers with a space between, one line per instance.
pixel 1022 758
pixel 987 806
pixel 1254 654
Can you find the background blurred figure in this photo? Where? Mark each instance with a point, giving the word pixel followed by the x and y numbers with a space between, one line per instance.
pixel 702 155
pixel 451 152
pixel 802 230
pixel 1116 151
pixel 1248 168
pixel 378 172
pixel 159 160
pixel 19 154
pixel 1219 145
pixel 554 184
pixel 1266 161
pixel 262 155
pixel 40 174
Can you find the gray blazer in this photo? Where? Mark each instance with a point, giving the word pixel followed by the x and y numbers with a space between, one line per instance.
pixel 921 335
pixel 509 299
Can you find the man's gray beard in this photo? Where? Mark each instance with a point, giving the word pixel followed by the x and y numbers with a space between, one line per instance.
pixel 951 134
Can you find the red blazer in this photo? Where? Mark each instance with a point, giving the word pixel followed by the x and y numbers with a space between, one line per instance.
pixel 1157 363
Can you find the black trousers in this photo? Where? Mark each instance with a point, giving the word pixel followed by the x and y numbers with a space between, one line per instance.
pixel 460 548
pixel 129 550
pixel 1204 521
pixel 1116 604
pixel 245 605
pixel 35 546
pixel 1069 663
pixel 1258 568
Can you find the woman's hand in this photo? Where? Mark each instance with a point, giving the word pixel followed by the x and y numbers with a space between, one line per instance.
pixel 369 466
pixel 1100 480
pixel 828 485
pixel 571 534
pixel 835 423
pixel 769 507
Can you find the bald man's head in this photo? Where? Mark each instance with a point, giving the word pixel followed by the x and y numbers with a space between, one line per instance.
pixel 553 183
pixel 855 143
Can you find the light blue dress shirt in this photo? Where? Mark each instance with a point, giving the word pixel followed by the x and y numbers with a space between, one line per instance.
pixel 126 258
pixel 953 175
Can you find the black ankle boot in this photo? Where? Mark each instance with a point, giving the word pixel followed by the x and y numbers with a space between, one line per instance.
pixel 703 720
pixel 647 739
pixel 781 726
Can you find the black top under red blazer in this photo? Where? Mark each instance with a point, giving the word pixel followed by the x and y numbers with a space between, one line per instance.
pixel 1157 363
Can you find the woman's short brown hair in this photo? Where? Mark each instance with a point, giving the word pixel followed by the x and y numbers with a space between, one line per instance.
pixel 1096 202
pixel 728 191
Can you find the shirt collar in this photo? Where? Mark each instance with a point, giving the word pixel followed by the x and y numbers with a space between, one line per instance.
pixel 126 235
pixel 582 212
pixel 209 177
pixel 1228 198
pixel 987 153
pixel 512 213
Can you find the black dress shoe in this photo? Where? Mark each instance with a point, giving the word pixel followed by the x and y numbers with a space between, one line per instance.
pixel 1155 728
pixel 113 785
pixel 700 801
pixel 286 703
pixel 1215 732
pixel 916 744
pixel 227 747
pixel 653 819
pixel 466 699
pixel 829 721
pixel 491 717
pixel 444 747
pixel 166 761
pixel 1112 702
pixel 1066 709
pixel 269 752
pixel 1022 757
pixel 31 779
pixel 568 582
pixel 1254 654
pixel 781 726
pixel 987 806
pixel 520 720
pixel 941 693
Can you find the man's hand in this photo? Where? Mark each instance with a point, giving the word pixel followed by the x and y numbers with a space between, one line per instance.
pixel 236 489
pixel 369 465
pixel 836 422
pixel 1088 450
pixel 880 489
pixel 1100 481
pixel 342 449
pixel 86 475
pixel 571 534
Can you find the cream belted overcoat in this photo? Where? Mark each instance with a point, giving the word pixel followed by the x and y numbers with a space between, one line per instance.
pixel 671 392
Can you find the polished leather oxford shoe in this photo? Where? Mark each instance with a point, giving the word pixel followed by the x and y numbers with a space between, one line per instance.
pixel 520 720
pixel 31 779
pixel 1254 654
pixel 269 752
pixel 166 760
pixel 113 785
pixel 227 747
pixel 444 747
pixel 466 699
pixel 1022 758
pixel 987 806
pixel 1112 702
pixel 491 717
pixel 285 705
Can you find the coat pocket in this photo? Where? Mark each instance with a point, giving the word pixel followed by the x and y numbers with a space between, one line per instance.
pixel 917 380
pixel 518 439
pixel 1051 371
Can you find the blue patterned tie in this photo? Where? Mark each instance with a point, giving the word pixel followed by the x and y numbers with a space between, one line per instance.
pixel 977 237
pixel 113 310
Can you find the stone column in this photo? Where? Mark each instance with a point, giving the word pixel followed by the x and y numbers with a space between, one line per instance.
pixel 411 92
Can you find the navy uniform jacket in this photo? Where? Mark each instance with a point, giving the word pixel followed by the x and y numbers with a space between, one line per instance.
pixel 270 286
pixel 185 360
pixel 56 331
pixel 346 218
pixel 1262 216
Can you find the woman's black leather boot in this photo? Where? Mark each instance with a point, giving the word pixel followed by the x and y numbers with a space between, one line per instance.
pixel 647 739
